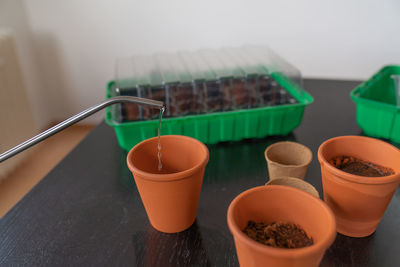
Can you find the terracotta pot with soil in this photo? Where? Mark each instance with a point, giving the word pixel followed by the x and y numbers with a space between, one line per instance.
pixel 170 196
pixel 280 226
pixel 359 177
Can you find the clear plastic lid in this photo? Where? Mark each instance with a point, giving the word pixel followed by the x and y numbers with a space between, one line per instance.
pixel 262 63
pixel 180 69
pixel 142 68
pixel 212 58
pixel 192 66
pixel 202 65
pixel 146 71
pixel 274 63
pixel 124 75
pixel 164 65
pixel 231 63
pixel 242 61
pixel 203 69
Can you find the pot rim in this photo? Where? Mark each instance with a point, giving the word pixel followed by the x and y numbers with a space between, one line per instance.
pixel 288 165
pixel 353 177
pixel 313 190
pixel 282 252
pixel 169 176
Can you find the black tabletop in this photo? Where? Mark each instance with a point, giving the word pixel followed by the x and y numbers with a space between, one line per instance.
pixel 87 211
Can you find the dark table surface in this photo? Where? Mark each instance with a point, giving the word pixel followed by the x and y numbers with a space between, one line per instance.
pixel 87 210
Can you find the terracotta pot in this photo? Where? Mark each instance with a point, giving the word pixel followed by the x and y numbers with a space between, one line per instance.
pixel 287 159
pixel 295 183
pixel 358 202
pixel 170 196
pixel 276 203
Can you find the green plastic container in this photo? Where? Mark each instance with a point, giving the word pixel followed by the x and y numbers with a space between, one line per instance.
pixel 378 114
pixel 218 127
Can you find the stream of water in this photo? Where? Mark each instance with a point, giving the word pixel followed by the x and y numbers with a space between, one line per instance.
pixel 159 139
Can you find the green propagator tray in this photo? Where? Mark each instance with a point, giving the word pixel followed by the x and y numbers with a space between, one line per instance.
pixel 377 113
pixel 212 128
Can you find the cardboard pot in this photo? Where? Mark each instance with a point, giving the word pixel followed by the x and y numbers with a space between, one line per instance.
pixel 287 159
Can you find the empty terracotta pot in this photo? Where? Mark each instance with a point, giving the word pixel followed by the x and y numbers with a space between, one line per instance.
pixel 276 203
pixel 170 196
pixel 287 159
pixel 295 183
pixel 358 202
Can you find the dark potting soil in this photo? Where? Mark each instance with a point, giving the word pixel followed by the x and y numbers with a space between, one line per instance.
pixel 360 167
pixel 278 234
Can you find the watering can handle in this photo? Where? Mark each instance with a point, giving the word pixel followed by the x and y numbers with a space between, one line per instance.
pixel 74 119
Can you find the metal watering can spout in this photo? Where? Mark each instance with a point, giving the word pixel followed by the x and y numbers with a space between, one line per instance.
pixel 74 119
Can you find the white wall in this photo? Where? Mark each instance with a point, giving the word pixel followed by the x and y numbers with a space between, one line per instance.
pixel 77 41
pixel 13 17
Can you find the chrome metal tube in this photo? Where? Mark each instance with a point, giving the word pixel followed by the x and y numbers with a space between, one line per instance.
pixel 74 119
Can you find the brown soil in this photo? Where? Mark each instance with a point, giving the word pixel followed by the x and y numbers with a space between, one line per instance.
pixel 278 234
pixel 360 167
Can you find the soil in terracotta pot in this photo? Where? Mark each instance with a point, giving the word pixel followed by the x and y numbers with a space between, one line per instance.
pixel 360 167
pixel 278 234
